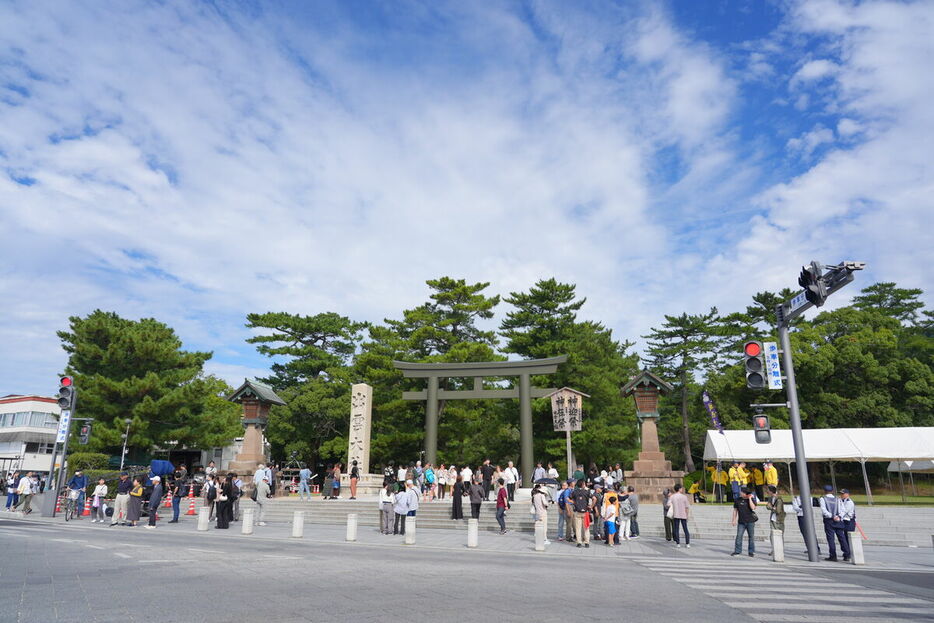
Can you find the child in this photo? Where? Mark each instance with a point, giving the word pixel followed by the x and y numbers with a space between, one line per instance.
pixel 97 502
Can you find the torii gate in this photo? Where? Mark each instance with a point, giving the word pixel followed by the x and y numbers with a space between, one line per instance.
pixel 478 371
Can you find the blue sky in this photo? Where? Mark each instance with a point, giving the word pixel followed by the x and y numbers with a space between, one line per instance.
pixel 199 161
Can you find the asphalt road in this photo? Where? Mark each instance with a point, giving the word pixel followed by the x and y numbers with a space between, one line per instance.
pixel 86 572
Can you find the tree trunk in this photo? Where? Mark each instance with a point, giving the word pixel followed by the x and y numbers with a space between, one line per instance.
pixel 686 430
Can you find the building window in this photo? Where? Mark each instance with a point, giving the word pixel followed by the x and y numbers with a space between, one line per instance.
pixel 33 447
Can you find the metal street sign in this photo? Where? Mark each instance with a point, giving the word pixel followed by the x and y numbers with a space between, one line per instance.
pixel 63 422
pixel 798 301
pixel 773 368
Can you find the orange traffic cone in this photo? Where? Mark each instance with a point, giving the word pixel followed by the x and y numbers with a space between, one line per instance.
pixel 87 507
pixel 191 500
pixel 58 504
pixel 168 501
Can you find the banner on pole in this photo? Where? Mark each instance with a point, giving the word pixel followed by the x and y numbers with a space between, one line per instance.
pixel 712 411
pixel 773 368
pixel 63 420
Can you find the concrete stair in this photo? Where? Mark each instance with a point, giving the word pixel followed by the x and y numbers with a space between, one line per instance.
pixel 888 525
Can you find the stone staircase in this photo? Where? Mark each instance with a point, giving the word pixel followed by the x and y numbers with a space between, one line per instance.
pixel 884 525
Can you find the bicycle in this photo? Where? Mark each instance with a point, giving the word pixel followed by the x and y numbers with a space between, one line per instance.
pixel 71 504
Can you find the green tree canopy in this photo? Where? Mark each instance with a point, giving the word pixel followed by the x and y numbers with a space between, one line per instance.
pixel 136 369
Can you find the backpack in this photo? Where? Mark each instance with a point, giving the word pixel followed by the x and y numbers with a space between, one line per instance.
pixel 626 508
pixel 212 494
pixel 253 494
pixel 430 476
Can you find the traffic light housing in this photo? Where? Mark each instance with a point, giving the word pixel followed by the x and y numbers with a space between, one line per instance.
pixel 762 428
pixel 754 365
pixel 815 290
pixel 66 393
pixel 84 433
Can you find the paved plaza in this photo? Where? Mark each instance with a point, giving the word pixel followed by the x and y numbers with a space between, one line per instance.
pixel 52 571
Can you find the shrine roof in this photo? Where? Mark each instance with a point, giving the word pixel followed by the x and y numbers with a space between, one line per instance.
pixel 262 391
pixel 644 377
pixel 568 389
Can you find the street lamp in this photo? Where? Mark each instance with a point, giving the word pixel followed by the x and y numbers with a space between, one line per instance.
pixel 126 436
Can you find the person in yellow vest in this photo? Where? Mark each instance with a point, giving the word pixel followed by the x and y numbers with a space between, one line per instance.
pixel 771 474
pixel 724 483
pixel 715 480
pixel 758 479
pixel 735 480
pixel 696 492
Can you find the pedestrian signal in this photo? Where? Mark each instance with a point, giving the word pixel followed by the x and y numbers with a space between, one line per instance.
pixel 84 433
pixel 762 428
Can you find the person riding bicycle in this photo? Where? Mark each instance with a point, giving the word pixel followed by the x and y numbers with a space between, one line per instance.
pixel 79 483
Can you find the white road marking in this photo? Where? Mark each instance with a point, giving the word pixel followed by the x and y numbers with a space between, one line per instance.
pixel 122 555
pixel 93 546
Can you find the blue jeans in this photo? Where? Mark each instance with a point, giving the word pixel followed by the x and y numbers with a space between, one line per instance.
pixel 176 505
pixel 750 529
pixel 501 518
pixel 681 523
pixel 303 489
pixel 11 499
pixel 734 486
pixel 79 504
pixel 560 523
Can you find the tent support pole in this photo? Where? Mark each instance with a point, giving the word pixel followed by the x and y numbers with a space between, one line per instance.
pixel 911 477
pixel 791 480
pixel 833 477
pixel 866 482
pixel 901 479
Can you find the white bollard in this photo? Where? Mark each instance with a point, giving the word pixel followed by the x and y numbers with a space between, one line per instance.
pixel 351 527
pixel 539 536
pixel 778 546
pixel 203 520
pixel 856 549
pixel 298 524
pixel 473 532
pixel 247 527
pixel 410 530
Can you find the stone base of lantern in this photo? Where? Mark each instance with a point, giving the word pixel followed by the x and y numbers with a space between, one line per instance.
pixel 651 474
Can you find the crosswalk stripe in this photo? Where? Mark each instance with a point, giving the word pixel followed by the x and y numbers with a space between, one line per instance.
pixel 782 605
pixel 855 591
pixel 815 600
pixel 802 618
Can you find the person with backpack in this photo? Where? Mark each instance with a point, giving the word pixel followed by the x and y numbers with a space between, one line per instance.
pixel 581 501
pixel 209 490
pixel 389 474
pixel 429 476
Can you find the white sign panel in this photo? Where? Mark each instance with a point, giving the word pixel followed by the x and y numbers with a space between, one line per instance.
pixel 63 421
pixel 799 301
pixel 773 366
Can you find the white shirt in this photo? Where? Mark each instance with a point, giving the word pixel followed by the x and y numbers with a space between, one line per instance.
pixel 101 490
pixel 553 473
pixel 400 475
pixel 259 475
pixel 511 475
pixel 466 474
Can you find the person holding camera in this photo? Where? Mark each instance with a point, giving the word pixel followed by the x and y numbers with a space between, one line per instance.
pixel 745 518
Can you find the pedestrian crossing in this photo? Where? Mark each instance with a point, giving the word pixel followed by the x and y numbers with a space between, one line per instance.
pixel 768 592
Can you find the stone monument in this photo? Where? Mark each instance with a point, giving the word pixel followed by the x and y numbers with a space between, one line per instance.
pixel 255 398
pixel 651 473
pixel 361 413
pixel 358 444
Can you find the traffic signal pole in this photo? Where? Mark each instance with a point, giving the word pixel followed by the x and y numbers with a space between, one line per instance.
pixel 818 286
pixel 804 483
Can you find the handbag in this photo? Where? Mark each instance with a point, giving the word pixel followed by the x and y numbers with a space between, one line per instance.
pixel 670 513
pixel 221 497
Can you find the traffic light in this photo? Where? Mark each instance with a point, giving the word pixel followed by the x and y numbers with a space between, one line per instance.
pixel 815 290
pixel 84 433
pixel 754 364
pixel 760 424
pixel 66 393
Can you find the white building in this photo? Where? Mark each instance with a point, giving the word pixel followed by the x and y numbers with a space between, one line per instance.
pixel 28 426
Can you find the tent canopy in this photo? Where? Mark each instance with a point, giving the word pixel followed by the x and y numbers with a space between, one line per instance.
pixel 916 467
pixel 824 444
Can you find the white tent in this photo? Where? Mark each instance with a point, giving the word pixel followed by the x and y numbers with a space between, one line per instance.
pixel 899 445
pixel 918 467
pixel 825 444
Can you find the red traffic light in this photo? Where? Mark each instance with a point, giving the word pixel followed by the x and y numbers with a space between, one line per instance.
pixel 66 381
pixel 762 422
pixel 752 349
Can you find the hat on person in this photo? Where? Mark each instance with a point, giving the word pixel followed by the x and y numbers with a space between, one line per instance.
pixel 124 474
pixel 844 490
pixel 155 478
pixel 408 482
pixel 828 488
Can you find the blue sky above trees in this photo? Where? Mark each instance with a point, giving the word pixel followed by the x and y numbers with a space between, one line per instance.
pixel 199 161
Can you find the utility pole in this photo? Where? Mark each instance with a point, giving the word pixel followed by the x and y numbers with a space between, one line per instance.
pixel 67 399
pixel 126 436
pixel 817 287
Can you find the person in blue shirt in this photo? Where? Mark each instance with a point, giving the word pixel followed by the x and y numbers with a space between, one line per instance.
pixel 562 501
pixel 79 482
pixel 303 476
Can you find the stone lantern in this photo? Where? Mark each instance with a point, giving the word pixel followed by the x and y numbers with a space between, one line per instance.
pixel 256 398
pixel 651 474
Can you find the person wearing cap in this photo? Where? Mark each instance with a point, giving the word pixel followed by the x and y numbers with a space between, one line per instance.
pixel 796 507
pixel 848 516
pixel 745 518
pixel 79 483
pixel 771 474
pixel 834 528
pixel 154 499
pixel 122 501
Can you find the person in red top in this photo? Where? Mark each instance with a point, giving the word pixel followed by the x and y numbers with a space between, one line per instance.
pixel 502 504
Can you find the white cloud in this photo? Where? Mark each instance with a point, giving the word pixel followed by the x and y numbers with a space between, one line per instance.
pixel 805 144
pixel 815 70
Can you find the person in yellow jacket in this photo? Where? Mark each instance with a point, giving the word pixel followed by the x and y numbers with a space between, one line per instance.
pixel 696 492
pixel 736 480
pixel 771 474
pixel 758 479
